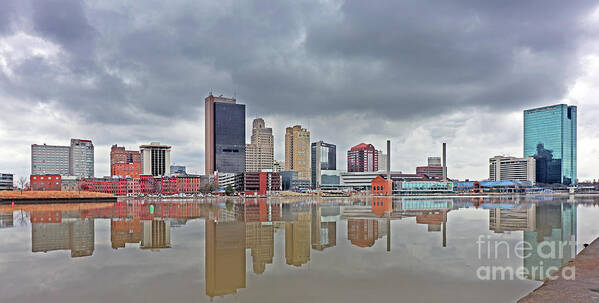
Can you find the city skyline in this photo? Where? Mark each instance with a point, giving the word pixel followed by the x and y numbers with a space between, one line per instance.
pixel 379 152
pixel 113 88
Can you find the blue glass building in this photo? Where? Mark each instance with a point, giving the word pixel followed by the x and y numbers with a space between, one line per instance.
pixel 550 136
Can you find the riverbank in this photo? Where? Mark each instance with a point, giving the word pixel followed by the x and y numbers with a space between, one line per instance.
pixel 585 286
pixel 23 197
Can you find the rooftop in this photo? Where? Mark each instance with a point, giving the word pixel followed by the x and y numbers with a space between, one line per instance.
pixel 154 145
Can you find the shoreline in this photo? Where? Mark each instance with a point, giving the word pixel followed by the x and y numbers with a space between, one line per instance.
pixel 29 197
pixel 56 197
pixel 584 287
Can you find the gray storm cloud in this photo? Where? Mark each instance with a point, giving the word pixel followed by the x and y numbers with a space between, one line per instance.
pixel 132 72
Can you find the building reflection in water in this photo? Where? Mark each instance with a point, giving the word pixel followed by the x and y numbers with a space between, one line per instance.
pixel 549 230
pixel 324 227
pixel 56 230
pixel 297 239
pixel 555 228
pixel 225 257
pixel 366 224
pixel 260 239
pixel 71 226
pixel 6 220
pixel 125 231
pixel 148 224
pixel 229 233
pixel 156 234
pixel 258 216
pixel 512 218
pixel 365 232
pixel 233 229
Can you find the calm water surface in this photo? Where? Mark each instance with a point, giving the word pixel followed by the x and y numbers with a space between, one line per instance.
pixel 331 250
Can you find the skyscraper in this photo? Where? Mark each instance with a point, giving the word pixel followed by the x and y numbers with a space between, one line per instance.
pixel 297 151
pixel 362 158
pixel 550 136
pixel 81 159
pixel 324 157
pixel 259 154
pixel 155 159
pixel 224 135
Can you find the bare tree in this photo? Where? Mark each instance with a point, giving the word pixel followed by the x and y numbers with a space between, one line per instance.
pixel 22 218
pixel 22 183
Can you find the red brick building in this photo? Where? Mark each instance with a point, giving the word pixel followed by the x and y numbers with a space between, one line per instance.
pixel 188 184
pixel 143 185
pixel 134 187
pixel 381 186
pixel 117 187
pixel 131 170
pixel 168 185
pixel 430 171
pixel 362 158
pixel 45 182
pixel 262 182
pixel 124 162
pixel 147 184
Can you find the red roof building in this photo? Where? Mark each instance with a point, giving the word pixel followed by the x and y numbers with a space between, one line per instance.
pixel 381 186
pixel 362 158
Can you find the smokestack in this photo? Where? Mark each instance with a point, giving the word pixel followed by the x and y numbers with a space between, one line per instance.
pixel 388 159
pixel 444 161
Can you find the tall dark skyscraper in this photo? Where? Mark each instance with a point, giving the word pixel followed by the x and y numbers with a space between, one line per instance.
pixel 550 136
pixel 324 157
pixel 225 135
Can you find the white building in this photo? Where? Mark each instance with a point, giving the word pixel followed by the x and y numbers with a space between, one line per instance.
pixel 233 179
pixel 512 168
pixel 50 159
pixel 155 159
pixel 360 179
pixel 278 166
pixel 75 160
pixel 81 158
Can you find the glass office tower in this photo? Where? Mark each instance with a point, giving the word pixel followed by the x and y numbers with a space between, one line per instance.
pixel 550 136
pixel 229 137
pixel 225 135
pixel 324 157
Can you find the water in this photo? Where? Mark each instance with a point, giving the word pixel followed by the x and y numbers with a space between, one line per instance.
pixel 331 250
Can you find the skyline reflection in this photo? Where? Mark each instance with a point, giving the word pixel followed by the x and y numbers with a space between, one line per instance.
pixel 236 231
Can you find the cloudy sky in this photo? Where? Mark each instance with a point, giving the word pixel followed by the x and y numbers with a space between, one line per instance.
pixel 417 72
